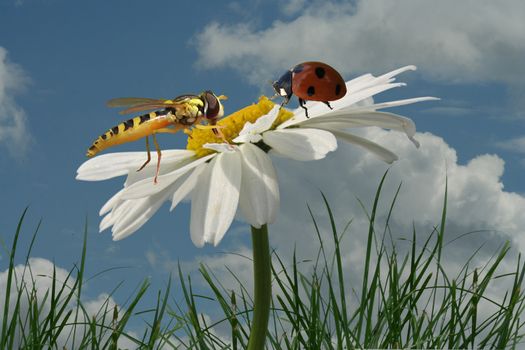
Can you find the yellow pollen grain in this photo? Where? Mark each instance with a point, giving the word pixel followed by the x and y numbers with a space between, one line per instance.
pixel 232 125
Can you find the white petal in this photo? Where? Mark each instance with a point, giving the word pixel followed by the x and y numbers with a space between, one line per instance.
pixel 301 144
pixel 344 119
pixel 368 80
pixel 116 213
pixel 149 171
pixel 352 99
pixel 251 132
pixel 106 222
pixel 215 199
pixel 389 77
pixel 359 83
pixel 138 213
pixel 363 119
pixel 221 147
pixel 108 165
pixel 147 187
pixel 186 186
pixel 111 203
pixel 246 138
pixel 259 198
pixel 111 165
pixel 389 104
pixel 199 203
pixel 370 146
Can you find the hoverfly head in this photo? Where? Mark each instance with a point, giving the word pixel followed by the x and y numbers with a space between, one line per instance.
pixel 213 108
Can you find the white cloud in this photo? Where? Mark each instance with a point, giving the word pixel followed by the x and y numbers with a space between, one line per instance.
pixel 293 7
pixel 450 111
pixel 449 40
pixel 477 201
pixel 13 125
pixel 476 195
pixel 35 280
pixel 515 145
pixel 238 261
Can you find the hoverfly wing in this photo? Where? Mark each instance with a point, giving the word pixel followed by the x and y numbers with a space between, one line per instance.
pixel 138 104
pixel 184 98
pixel 131 101
pixel 177 103
pixel 145 107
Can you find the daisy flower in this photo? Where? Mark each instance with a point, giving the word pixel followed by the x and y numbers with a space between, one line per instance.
pixel 221 178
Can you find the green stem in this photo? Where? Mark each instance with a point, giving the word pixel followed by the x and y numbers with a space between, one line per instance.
pixel 262 288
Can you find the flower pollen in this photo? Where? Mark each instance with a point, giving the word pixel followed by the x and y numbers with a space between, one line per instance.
pixel 232 125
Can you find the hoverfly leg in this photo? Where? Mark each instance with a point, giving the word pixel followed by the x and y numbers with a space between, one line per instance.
pixel 159 155
pixel 302 104
pixel 149 155
pixel 217 131
pixel 212 124
pixel 187 131
pixel 168 130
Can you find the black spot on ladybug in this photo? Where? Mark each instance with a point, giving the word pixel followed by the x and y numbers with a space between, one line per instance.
pixel 320 72
pixel 310 91
pixel 337 89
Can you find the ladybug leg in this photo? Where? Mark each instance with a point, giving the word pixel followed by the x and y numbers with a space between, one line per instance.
pixel 284 103
pixel 328 104
pixel 301 103
pixel 286 99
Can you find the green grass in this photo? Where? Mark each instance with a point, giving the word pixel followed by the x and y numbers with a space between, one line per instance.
pixel 403 300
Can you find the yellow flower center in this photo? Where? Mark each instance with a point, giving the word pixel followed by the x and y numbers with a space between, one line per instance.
pixel 232 125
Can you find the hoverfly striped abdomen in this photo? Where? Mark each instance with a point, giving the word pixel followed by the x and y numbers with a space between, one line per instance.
pixel 129 130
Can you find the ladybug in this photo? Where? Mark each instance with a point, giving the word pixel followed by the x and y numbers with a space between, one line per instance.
pixel 315 81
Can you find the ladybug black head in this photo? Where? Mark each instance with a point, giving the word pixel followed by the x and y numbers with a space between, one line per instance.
pixel 283 86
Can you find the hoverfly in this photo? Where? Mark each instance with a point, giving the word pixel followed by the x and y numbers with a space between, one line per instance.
pixel 170 116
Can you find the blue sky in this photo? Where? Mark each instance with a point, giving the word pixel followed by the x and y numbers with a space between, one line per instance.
pixel 60 61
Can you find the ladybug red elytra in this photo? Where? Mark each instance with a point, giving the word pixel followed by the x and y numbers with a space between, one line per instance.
pixel 315 81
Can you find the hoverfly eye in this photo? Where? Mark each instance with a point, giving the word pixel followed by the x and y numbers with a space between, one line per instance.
pixel 214 105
